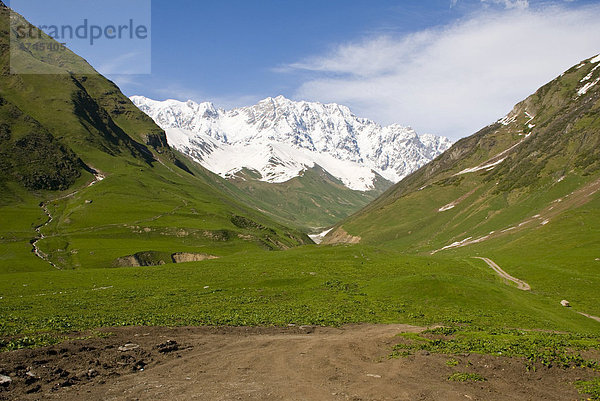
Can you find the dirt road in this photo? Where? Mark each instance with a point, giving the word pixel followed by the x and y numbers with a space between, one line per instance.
pixel 520 283
pixel 349 363
pixel 596 318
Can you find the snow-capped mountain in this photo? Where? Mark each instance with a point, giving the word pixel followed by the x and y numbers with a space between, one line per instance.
pixel 280 138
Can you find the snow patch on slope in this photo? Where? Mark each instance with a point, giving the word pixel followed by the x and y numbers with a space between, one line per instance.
pixel 588 76
pixel 318 238
pixel 583 90
pixel 507 119
pixel 484 167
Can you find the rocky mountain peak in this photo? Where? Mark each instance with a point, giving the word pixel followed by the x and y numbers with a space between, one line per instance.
pixel 280 138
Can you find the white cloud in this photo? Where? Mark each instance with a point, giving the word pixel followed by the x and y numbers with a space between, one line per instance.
pixel 455 79
pixel 124 80
pixel 521 4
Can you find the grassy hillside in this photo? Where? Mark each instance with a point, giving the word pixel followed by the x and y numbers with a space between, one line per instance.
pixel 311 202
pixel 523 191
pixel 59 130
pixel 504 175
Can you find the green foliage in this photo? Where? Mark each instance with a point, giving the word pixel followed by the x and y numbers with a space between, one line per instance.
pixel 32 341
pixel 452 362
pixel 537 348
pixel 338 285
pixel 445 331
pixel 42 163
pixel 466 377
pixel 34 159
pixel 244 222
pixel 590 387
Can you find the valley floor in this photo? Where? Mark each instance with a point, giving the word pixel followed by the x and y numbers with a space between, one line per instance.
pixel 294 363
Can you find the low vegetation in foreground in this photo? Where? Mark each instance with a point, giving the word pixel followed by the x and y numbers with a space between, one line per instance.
pixel 332 285
pixel 537 348
pixel 466 377
pixel 590 387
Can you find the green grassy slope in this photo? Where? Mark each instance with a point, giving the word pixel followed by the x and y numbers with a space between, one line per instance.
pixel 535 212
pixel 306 285
pixel 311 202
pixel 561 260
pixel 134 210
pixel 538 160
pixel 56 129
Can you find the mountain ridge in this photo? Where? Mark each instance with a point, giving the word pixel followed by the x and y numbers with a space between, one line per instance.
pixel 279 138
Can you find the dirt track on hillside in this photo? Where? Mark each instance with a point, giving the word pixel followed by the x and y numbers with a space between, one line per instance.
pixel 349 363
pixel 520 283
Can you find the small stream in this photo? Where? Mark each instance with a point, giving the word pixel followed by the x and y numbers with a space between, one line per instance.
pixel 44 205
pixel 36 249
pixel 318 238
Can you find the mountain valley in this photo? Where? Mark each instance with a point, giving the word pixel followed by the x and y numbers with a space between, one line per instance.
pixel 154 250
pixel 311 164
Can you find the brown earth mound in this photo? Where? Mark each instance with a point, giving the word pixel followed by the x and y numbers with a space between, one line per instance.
pixel 154 258
pixel 340 236
pixel 183 257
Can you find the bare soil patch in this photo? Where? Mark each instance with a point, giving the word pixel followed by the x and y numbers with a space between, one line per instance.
pixel 340 236
pixel 295 363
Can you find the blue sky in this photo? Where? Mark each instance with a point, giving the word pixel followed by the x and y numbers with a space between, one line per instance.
pixel 65 20
pixel 230 48
pixel 446 67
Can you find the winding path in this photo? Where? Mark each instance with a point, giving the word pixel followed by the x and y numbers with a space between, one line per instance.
pixel 520 283
pixel 596 318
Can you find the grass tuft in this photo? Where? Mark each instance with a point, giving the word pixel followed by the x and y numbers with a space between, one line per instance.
pixel 590 387
pixel 466 377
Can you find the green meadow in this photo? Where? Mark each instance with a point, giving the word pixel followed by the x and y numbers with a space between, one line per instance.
pixel 321 285
pixel 261 276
